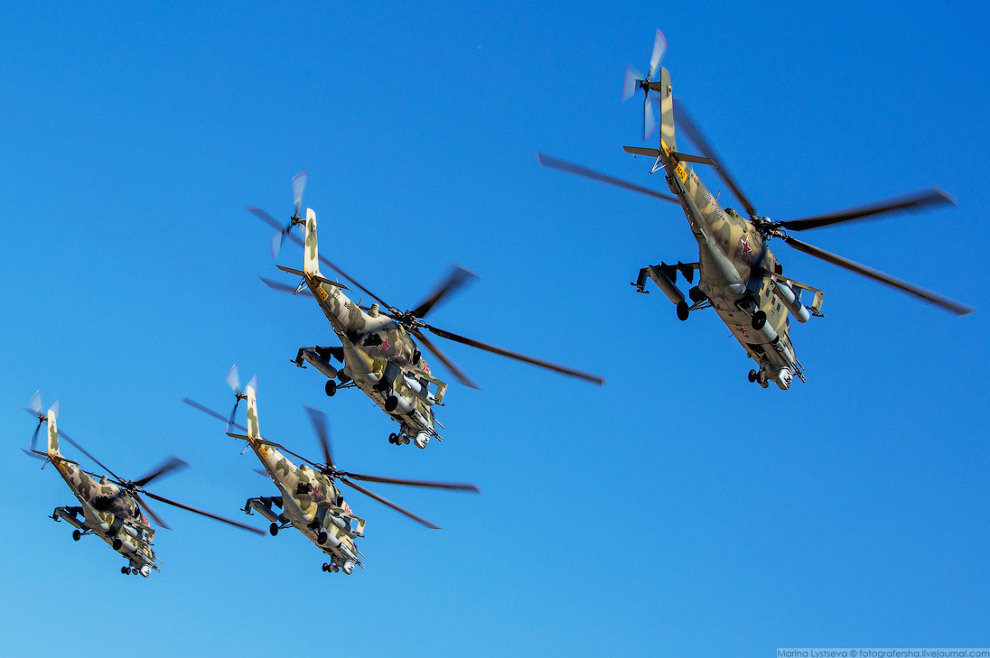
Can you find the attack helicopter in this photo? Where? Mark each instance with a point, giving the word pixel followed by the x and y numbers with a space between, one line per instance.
pixel 739 277
pixel 310 499
pixel 379 349
pixel 110 507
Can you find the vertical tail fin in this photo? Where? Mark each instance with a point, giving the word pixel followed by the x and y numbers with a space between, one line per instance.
pixel 52 435
pixel 311 255
pixel 253 427
pixel 666 109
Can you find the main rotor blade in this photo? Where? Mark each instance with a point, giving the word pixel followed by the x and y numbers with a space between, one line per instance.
pixel 147 508
pixel 683 118
pixel 456 278
pixel 938 300
pixel 281 447
pixel 516 355
pixel 86 452
pixel 386 305
pixel 385 501
pixel 169 465
pixel 453 486
pixel 913 201
pixel 194 510
pixel 282 287
pixel 319 420
pixel 210 412
pixel 444 359
pixel 266 218
pixel 571 168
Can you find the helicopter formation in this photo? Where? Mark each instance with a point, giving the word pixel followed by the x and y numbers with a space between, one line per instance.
pixel 381 350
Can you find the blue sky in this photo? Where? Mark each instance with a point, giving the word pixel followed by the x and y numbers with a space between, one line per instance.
pixel 676 511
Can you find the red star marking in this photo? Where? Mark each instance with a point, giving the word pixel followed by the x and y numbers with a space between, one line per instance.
pixel 745 245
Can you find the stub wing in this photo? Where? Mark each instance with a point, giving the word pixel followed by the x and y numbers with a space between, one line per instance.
pixel 816 301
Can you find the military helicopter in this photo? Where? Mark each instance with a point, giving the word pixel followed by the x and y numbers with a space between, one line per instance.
pixel 310 500
pixel 110 507
pixel 379 347
pixel 739 276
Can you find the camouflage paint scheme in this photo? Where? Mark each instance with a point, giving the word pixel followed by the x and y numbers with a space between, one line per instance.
pixel 310 501
pixel 379 355
pixel 105 510
pixel 739 275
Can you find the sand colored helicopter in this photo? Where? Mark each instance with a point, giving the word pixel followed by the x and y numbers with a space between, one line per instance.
pixel 109 506
pixel 380 345
pixel 739 277
pixel 310 500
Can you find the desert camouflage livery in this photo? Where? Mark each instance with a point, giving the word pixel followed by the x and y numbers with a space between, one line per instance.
pixel 104 510
pixel 310 501
pixel 738 275
pixel 379 356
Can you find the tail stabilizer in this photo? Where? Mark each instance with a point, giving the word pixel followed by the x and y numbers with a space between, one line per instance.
pixel 52 435
pixel 311 257
pixel 666 108
pixel 253 428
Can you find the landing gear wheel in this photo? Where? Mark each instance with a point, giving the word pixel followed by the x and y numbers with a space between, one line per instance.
pixel 273 529
pixel 752 376
pixel 330 388
pixel 682 310
pixel 759 320
pixel 117 543
pixel 393 438
pixel 761 377
pixel 76 535
pixel 321 538
pixel 125 570
pixel 326 567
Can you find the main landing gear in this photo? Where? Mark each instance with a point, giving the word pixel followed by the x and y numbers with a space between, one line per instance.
pixel 682 310
pixel 330 567
pixel 330 388
pixel 273 529
pixel 759 377
pixel 398 439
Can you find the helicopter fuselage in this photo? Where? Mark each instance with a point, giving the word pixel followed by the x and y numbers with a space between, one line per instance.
pixel 312 504
pixel 382 360
pixel 737 274
pixel 109 513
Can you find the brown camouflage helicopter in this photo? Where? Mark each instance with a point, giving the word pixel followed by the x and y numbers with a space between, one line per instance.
pixel 310 501
pixel 379 347
pixel 110 507
pixel 739 276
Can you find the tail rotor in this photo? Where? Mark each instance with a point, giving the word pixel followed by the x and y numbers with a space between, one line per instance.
pixel 298 187
pixel 634 79
pixel 36 409
pixel 233 380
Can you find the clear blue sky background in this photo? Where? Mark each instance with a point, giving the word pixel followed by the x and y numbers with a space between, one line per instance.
pixel 678 510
